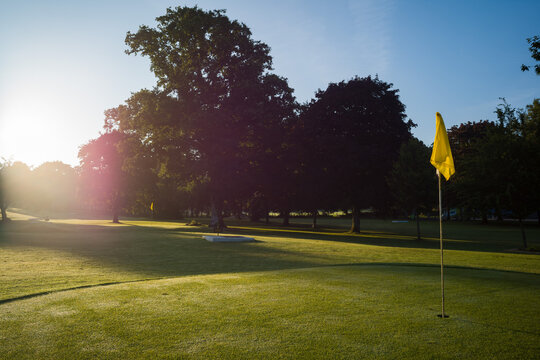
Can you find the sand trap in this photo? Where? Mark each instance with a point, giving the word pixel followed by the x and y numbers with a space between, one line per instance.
pixel 221 238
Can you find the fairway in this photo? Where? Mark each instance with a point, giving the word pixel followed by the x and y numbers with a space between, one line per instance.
pixel 146 289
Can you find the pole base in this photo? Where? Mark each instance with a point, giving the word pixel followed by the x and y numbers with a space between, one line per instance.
pixel 443 316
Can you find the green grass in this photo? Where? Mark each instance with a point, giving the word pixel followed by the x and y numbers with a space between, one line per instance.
pixel 90 289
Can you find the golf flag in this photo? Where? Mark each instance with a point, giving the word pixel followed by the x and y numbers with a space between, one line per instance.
pixel 441 157
pixel 152 206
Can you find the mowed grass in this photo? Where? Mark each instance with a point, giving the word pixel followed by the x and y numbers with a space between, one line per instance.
pixel 90 289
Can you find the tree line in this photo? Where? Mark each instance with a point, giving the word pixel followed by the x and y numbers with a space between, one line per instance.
pixel 221 133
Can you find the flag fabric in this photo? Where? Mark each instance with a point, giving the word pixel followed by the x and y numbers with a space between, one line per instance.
pixel 152 206
pixel 441 157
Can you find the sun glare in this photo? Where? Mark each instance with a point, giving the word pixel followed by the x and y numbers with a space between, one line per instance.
pixel 42 118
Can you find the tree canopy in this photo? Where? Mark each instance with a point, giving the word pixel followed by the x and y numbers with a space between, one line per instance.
pixel 355 130
pixel 215 105
pixel 412 180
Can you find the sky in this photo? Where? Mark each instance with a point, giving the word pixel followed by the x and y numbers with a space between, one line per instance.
pixel 62 63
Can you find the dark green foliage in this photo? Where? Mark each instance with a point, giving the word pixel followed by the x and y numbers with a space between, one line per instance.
pixel 469 188
pixel 412 180
pixel 499 164
pixel 534 48
pixel 354 131
pixel 216 115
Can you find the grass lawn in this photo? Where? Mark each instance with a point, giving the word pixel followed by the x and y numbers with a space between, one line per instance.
pixel 91 289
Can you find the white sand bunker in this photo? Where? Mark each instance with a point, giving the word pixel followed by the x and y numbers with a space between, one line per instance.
pixel 221 238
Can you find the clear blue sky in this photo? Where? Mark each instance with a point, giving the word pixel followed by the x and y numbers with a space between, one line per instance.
pixel 62 63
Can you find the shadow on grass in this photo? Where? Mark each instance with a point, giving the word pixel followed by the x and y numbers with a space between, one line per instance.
pixel 458 241
pixel 154 251
pixel 150 251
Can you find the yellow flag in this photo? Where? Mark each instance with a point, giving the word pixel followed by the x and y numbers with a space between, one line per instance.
pixel 152 206
pixel 441 157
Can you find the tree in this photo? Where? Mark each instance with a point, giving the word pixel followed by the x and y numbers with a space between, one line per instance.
pixel 102 178
pixel 357 128
pixel 4 202
pixel 531 129
pixel 214 103
pixel 534 48
pixel 472 187
pixel 412 180
pixel 54 186
pixel 507 159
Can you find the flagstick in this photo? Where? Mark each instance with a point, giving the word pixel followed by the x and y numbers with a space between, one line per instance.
pixel 441 240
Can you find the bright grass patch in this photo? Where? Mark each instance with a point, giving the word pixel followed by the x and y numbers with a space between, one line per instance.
pixel 295 293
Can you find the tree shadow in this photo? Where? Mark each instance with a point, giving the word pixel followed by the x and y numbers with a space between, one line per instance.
pixel 180 251
pixel 150 251
pixel 453 241
pixel 132 251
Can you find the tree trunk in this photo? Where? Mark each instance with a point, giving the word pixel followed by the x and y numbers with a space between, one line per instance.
pixel 523 233
pixel 239 212
pixel 4 214
pixel 418 237
pixel 499 215
pixel 116 208
pixel 216 217
pixel 314 224
pixel 221 223
pixel 266 211
pixel 484 218
pixel 355 228
pixel 286 216
pixel 115 217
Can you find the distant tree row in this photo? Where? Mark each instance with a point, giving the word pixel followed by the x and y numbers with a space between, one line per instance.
pixel 51 186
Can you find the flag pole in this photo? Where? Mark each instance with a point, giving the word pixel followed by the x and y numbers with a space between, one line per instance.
pixel 441 159
pixel 442 315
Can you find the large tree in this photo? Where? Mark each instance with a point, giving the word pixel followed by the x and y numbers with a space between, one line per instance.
pixel 214 103
pixel 355 130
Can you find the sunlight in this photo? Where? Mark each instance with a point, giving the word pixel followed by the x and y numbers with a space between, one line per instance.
pixel 31 133
pixel 42 119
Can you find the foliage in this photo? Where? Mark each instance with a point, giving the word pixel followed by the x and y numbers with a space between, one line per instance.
pixel 17 185
pixel 103 181
pixel 412 180
pixel 55 187
pixel 470 188
pixel 216 112
pixel 534 48
pixel 354 131
pixel 4 198
pixel 501 167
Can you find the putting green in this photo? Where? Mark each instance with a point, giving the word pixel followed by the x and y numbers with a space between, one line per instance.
pixel 338 312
